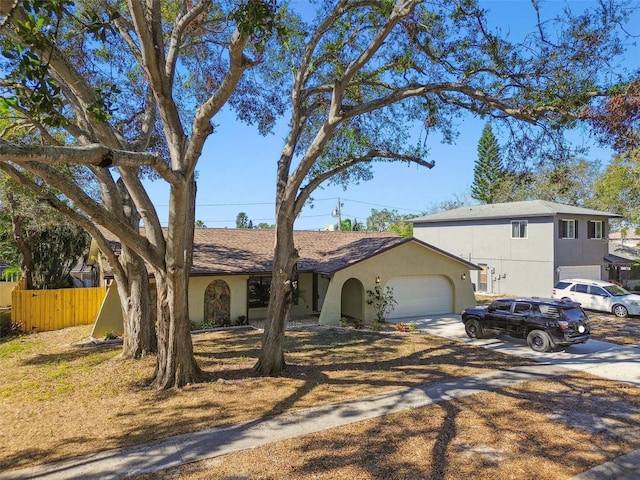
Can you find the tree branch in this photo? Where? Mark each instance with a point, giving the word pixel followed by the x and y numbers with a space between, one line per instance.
pixel 113 221
pixel 96 155
pixel 202 122
pixel 307 190
pixel 70 213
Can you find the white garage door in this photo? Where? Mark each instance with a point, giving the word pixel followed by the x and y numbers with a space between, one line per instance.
pixel 588 272
pixel 419 296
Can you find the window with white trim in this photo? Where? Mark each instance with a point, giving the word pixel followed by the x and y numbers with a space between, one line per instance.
pixel 568 229
pixel 595 229
pixel 519 228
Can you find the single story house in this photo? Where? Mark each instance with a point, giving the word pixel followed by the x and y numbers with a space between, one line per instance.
pixel 231 277
pixel 522 248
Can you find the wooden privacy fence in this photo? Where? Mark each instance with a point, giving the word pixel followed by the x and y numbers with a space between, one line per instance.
pixel 43 310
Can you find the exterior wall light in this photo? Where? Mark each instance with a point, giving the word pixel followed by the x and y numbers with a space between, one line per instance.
pixel 463 276
pixel 378 279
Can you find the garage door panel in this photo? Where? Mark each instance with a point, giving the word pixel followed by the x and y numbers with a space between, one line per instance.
pixel 419 296
pixel 588 272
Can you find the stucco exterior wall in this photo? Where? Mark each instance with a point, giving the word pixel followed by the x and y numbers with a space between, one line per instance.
pixel 109 317
pixel 516 266
pixel 5 293
pixel 581 250
pixel 237 286
pixel 410 259
pixel 511 263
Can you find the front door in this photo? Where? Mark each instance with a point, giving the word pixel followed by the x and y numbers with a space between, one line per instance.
pixel 482 278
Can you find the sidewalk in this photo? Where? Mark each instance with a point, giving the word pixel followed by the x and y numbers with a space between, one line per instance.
pixel 193 447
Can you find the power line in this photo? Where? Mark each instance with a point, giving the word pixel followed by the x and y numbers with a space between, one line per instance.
pixel 333 199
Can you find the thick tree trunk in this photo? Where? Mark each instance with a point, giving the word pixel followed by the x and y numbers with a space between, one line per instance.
pixel 137 311
pixel 176 365
pixel 271 361
pixel 135 293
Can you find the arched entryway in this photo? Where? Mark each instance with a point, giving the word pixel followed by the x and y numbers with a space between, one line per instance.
pixel 352 299
pixel 217 303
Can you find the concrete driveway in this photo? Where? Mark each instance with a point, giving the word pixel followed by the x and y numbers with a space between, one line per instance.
pixel 604 359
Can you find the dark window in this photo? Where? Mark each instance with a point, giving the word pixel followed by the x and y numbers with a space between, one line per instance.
pixel 593 290
pixel 258 291
pixel 568 228
pixel 594 229
pixel 580 288
pixel 519 229
pixel 501 306
pixel 562 285
pixel 550 311
pixel 522 308
pixel 575 313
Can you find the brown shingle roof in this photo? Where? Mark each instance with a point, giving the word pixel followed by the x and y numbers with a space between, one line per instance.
pixel 234 251
pixel 227 251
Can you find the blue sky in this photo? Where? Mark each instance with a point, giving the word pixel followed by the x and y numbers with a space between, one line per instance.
pixel 237 168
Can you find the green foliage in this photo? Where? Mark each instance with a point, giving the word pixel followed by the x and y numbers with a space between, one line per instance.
pixel 488 171
pixel 110 335
pixel 571 182
pixel 52 243
pixel 266 226
pixel 207 324
pixel 618 189
pixel 242 221
pixel 55 252
pixel 10 273
pixel 382 302
pixel 354 225
pixel 259 19
pixel 402 228
pixel 389 221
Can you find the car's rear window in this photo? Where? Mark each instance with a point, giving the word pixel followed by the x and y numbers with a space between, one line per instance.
pixel 574 313
pixel 562 285
pixel 550 311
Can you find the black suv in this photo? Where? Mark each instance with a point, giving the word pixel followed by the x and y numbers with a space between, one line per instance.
pixel 544 323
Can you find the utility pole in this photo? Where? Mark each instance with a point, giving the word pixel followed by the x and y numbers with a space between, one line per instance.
pixel 337 213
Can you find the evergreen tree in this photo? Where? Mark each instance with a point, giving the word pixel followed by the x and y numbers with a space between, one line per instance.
pixel 242 221
pixel 488 171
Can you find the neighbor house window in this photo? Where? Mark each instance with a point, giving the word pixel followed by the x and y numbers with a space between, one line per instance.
pixel 519 229
pixel 258 289
pixel 568 229
pixel 595 229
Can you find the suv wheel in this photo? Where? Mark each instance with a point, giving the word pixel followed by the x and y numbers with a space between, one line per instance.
pixel 473 329
pixel 620 311
pixel 539 341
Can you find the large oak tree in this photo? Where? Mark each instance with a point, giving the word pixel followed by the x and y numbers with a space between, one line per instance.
pixel 366 72
pixel 129 89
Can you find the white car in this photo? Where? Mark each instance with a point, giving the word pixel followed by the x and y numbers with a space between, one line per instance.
pixel 598 295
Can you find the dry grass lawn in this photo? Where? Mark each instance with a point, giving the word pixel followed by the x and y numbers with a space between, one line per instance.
pixel 548 430
pixel 61 398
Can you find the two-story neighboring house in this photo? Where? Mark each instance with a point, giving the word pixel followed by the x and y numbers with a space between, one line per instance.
pixel 524 248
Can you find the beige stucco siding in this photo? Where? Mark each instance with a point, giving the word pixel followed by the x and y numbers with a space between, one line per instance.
pixel 409 259
pixel 237 286
pixel 109 318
